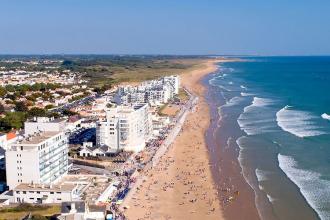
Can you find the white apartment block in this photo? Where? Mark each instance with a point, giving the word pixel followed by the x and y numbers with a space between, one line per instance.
pixel 174 82
pixel 154 92
pixel 125 128
pixel 41 158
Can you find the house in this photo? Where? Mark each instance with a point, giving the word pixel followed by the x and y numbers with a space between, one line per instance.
pixel 88 150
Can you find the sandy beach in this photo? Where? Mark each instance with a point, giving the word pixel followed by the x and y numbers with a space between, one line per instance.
pixel 181 185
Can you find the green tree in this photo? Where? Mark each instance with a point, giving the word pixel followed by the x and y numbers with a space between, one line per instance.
pixel 20 107
pixel 13 120
pixel 37 112
pixel 3 91
pixel 2 109
pixel 68 112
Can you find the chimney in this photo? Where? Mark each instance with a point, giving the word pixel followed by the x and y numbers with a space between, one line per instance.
pixel 73 208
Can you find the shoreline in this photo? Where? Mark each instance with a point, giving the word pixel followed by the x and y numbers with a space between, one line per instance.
pixel 181 186
pixel 226 170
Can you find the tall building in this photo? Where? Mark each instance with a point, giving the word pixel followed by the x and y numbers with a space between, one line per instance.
pixel 125 128
pixel 174 82
pixel 41 158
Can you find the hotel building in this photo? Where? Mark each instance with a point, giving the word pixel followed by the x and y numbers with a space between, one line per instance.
pixel 41 158
pixel 125 128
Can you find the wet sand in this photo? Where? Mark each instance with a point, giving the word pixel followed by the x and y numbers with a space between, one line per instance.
pixel 226 170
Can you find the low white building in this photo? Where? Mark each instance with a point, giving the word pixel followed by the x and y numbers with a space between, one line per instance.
pixel 125 128
pixel 39 193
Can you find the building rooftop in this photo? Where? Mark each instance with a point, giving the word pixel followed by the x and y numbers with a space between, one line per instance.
pixel 38 137
pixel 66 207
pixel 46 120
pixel 43 187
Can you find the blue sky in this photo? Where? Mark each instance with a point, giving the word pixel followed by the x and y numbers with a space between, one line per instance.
pixel 258 27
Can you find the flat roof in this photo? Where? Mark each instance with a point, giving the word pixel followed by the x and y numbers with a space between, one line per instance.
pixel 45 187
pixel 38 138
pixel 47 120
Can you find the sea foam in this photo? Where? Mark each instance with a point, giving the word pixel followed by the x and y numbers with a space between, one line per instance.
pixel 325 116
pixel 246 94
pixel 315 189
pixel 252 122
pixel 298 123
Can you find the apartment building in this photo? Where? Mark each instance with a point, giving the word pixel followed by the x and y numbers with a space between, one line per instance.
pixel 125 128
pixel 41 158
pixel 154 92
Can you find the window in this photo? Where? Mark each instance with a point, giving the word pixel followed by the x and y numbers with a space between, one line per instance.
pixel 24 192
pixel 51 192
pixel 59 199
pixel 58 192
pixel 17 192
pixel 38 192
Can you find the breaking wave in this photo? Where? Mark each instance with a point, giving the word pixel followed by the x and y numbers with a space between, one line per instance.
pixel 325 116
pixel 298 123
pixel 315 190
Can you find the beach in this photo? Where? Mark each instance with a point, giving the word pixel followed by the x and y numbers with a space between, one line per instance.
pixel 181 185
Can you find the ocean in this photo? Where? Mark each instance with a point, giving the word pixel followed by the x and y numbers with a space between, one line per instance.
pixel 276 112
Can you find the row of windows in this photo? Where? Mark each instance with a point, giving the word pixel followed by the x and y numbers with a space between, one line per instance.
pixel 38 199
pixel 38 192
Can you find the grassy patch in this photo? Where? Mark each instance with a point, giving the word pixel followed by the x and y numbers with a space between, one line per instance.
pixel 183 95
pixel 137 69
pixel 161 109
pixel 24 209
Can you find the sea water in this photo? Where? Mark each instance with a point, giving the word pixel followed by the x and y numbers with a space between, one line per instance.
pixel 282 108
